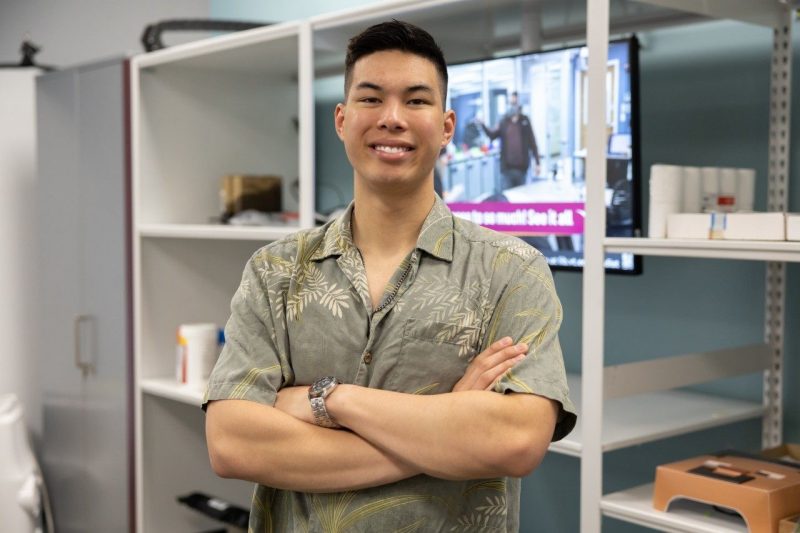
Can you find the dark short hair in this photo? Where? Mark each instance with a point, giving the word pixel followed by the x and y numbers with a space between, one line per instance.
pixel 395 35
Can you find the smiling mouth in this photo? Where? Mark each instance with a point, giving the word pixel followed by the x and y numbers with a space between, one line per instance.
pixel 391 149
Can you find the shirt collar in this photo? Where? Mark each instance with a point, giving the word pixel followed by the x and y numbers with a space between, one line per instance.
pixel 435 236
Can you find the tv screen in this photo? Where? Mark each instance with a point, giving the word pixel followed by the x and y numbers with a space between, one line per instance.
pixel 517 163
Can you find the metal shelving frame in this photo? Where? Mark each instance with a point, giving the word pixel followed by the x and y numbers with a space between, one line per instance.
pixel 633 505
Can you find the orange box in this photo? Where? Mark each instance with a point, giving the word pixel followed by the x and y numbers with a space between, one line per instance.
pixel 761 491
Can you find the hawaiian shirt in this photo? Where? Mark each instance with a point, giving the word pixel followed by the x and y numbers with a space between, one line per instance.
pixel 303 311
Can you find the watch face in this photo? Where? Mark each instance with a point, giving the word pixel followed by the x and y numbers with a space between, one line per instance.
pixel 324 383
pixel 320 386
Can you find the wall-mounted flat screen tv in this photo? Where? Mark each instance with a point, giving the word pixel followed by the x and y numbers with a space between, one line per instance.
pixel 517 163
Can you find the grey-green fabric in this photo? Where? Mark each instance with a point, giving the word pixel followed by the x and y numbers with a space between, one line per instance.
pixel 303 311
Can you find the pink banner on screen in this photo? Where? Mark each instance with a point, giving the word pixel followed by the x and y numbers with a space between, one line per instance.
pixel 524 219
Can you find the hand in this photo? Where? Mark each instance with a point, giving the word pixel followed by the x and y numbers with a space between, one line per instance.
pixel 536 170
pixel 294 401
pixel 490 364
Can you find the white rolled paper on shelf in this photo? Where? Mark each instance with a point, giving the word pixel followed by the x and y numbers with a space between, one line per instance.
pixel 666 196
pixel 728 184
pixel 746 189
pixel 710 179
pixel 692 190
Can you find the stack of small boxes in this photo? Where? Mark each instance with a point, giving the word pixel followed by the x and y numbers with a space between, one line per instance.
pixel 712 203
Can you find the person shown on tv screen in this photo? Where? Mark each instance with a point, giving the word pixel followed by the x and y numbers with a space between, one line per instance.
pixel 397 369
pixel 517 145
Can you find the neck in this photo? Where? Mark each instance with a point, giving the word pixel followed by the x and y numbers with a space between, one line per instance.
pixel 389 223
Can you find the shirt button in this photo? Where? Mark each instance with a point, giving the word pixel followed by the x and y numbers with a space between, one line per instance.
pixel 368 357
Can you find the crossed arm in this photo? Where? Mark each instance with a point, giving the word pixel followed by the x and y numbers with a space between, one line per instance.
pixel 469 433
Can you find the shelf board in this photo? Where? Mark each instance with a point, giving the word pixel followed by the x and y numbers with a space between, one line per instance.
pixel 685 516
pixel 461 30
pixel 172 390
pixel 270 49
pixel 762 12
pixel 216 231
pixel 709 249
pixel 630 420
pixel 627 422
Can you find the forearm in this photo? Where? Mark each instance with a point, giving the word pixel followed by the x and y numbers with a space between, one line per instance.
pixel 258 443
pixel 462 435
pixel 491 133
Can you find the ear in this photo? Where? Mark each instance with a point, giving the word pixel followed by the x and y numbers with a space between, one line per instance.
pixel 338 119
pixel 449 126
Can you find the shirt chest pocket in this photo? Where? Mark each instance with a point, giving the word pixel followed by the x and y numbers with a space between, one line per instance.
pixel 433 356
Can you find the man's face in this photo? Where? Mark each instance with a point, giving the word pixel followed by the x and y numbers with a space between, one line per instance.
pixel 514 106
pixel 393 122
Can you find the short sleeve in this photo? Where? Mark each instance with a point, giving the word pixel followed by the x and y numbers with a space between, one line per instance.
pixel 529 311
pixel 250 366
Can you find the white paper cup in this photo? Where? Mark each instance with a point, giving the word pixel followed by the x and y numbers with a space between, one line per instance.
pixel 710 179
pixel 746 190
pixel 728 184
pixel 666 196
pixel 692 190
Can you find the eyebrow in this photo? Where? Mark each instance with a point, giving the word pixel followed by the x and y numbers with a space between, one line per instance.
pixel 412 89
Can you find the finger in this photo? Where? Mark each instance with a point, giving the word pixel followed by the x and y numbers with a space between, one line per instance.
pixel 503 355
pixel 493 348
pixel 472 379
pixel 498 345
pixel 490 378
pixel 481 363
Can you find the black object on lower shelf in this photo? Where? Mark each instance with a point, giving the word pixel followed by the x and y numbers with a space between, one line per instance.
pixel 217 509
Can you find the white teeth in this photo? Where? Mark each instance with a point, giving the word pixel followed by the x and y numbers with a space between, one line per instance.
pixel 391 149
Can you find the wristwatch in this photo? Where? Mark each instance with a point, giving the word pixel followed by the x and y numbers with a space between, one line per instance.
pixel 319 390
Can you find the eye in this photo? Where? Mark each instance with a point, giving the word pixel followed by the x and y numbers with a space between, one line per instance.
pixel 418 101
pixel 369 100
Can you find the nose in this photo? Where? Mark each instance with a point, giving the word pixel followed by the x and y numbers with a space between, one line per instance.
pixel 392 117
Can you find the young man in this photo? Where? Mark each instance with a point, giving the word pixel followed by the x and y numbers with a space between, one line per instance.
pixel 396 369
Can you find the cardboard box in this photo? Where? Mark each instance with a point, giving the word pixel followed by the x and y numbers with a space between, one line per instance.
pixel 241 192
pixel 792 227
pixel 790 525
pixel 755 226
pixel 762 492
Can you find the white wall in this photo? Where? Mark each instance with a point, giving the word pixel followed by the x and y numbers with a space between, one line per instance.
pixel 72 32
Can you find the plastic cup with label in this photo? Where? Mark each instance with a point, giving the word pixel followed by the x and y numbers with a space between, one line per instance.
pixel 197 350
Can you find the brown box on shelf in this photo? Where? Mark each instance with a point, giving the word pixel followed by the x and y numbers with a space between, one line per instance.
pixel 761 491
pixel 241 192
pixel 790 525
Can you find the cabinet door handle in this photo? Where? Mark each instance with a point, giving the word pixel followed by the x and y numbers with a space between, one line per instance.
pixel 86 368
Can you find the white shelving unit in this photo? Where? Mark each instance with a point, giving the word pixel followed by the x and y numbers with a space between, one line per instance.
pixel 229 104
pixel 236 104
pixel 635 505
